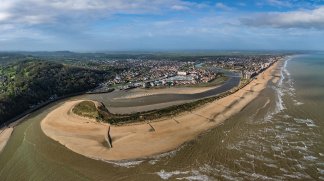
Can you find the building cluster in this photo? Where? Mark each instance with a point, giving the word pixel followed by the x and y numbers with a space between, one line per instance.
pixel 165 72
pixel 256 68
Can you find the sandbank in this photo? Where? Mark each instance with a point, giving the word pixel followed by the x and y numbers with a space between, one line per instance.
pixel 139 92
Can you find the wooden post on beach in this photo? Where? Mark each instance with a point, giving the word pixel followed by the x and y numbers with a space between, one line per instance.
pixel 108 138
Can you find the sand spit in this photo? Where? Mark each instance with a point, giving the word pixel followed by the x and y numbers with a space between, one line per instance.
pixel 87 137
pixel 136 93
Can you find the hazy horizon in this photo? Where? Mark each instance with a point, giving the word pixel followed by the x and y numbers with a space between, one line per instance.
pixel 162 51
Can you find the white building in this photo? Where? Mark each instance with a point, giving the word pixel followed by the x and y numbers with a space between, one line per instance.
pixel 182 73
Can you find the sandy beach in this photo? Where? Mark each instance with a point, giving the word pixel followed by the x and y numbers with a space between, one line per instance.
pixel 87 137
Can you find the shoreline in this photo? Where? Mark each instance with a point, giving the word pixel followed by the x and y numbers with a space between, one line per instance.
pixel 6 131
pixel 5 134
pixel 134 141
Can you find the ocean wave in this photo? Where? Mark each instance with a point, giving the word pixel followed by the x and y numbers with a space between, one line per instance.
pixel 166 175
pixel 286 86
pixel 255 176
pixel 127 164
pixel 308 122
pixel 297 103
pixel 310 158
pixel 196 175
pixel 279 104
pixel 321 171
pixel 187 175
pixel 220 170
pixel 156 158
pixel 270 165
pixel 286 116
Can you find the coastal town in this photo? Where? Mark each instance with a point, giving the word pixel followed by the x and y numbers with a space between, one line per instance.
pixel 150 73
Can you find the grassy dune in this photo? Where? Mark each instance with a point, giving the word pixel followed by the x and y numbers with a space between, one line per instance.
pixel 87 109
pixel 90 110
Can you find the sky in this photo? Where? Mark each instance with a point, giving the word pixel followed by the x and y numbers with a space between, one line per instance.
pixel 113 25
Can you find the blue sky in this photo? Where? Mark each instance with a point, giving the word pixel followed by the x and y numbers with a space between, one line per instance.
pixel 103 25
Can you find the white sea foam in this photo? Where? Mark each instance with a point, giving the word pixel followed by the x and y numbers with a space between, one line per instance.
pixel 297 103
pixel 280 94
pixel 271 165
pixel 166 175
pixel 221 170
pixel 127 164
pixel 310 158
pixel 227 177
pixel 287 88
pixel 156 158
pixel 308 122
pixel 276 148
pixel 302 148
pixel 293 130
pixel 283 170
pixel 196 175
pixel 260 177
pixel 279 104
pixel 300 166
pixel 286 116
pixel 189 175
pixel 280 90
pixel 321 171
pixel 292 176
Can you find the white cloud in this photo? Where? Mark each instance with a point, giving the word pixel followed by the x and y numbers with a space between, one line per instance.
pixel 294 19
pixel 166 23
pixel 279 3
pixel 222 6
pixel 179 7
pixel 4 16
pixel 44 11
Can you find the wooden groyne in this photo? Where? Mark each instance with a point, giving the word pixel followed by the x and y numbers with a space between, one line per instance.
pixel 108 138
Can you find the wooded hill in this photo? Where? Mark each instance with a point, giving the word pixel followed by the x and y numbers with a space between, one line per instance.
pixel 26 84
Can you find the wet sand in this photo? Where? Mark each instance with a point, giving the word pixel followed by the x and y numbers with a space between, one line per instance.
pixel 6 132
pixel 87 137
pixel 4 137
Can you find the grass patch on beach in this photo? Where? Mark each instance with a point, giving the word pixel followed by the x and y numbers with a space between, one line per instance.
pixel 87 109
pixel 90 110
